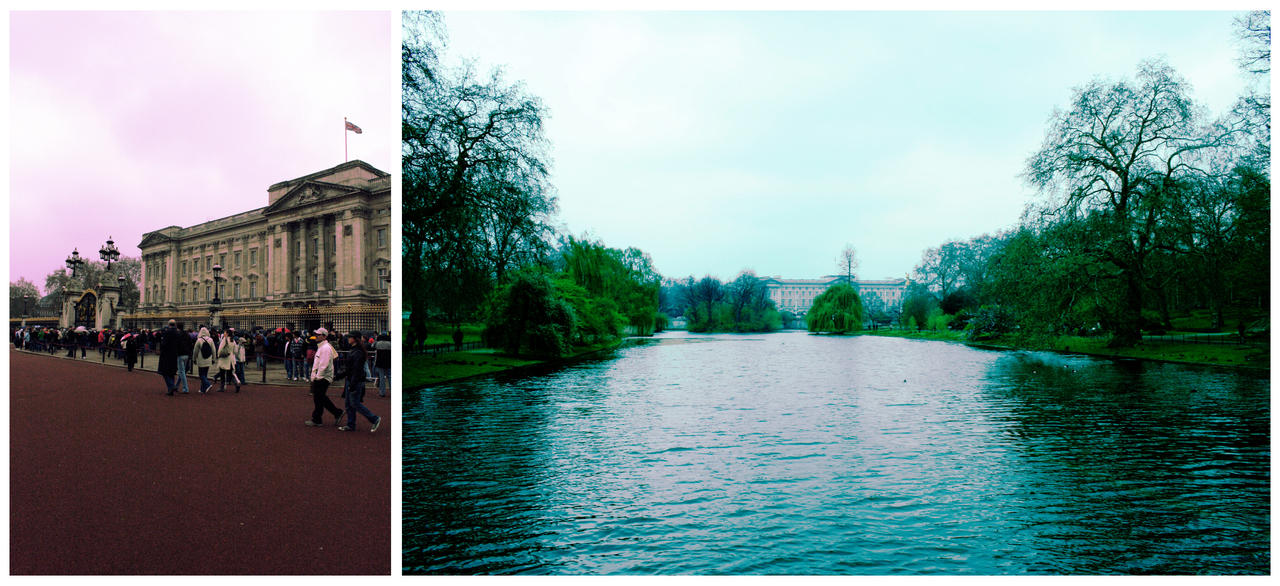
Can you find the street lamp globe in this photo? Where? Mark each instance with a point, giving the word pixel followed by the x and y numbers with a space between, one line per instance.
pixel 74 261
pixel 109 252
pixel 217 279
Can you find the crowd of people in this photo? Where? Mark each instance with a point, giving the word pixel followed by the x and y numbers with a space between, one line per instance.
pixel 307 356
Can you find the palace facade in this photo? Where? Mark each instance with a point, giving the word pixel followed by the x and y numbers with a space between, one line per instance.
pixel 318 254
pixel 797 295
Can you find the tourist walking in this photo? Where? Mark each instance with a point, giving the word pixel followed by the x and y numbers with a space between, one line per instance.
pixel 184 357
pixel 298 349
pixel 320 377
pixel 130 342
pixel 203 353
pixel 288 355
pixel 382 362
pixel 240 358
pixel 312 343
pixel 353 392
pixel 227 360
pixel 170 345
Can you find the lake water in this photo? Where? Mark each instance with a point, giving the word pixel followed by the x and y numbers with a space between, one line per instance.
pixel 788 453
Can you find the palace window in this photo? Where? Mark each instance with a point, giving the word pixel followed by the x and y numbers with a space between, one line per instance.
pixel 208 263
pixel 382 237
pixel 253 257
pixel 297 283
pixel 315 281
pixel 237 260
pixel 315 246
pixel 208 292
pixel 382 279
pixel 235 290
pixel 222 260
pixel 253 289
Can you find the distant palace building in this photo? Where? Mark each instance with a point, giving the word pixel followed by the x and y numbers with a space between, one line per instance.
pixel 318 254
pixel 797 295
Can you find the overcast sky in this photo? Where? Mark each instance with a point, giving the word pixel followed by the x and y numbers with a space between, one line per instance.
pixel 122 123
pixel 721 141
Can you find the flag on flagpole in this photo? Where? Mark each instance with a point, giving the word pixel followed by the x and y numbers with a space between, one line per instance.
pixel 354 128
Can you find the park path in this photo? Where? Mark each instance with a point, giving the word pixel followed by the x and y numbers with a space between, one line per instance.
pixel 108 475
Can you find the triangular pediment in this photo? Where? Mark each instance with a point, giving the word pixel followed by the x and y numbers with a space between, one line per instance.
pixel 309 193
pixel 155 238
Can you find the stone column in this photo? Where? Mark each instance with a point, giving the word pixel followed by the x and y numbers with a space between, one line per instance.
pixel 359 273
pixel 321 261
pixel 342 262
pixel 108 306
pixel 171 273
pixel 69 298
pixel 145 298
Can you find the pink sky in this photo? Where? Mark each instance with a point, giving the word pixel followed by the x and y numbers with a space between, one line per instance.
pixel 126 122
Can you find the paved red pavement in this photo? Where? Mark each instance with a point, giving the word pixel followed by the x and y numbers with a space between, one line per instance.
pixel 108 475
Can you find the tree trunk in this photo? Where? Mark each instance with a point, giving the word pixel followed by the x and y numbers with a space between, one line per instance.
pixel 1129 327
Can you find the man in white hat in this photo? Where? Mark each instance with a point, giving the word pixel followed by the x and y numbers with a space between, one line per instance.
pixel 321 376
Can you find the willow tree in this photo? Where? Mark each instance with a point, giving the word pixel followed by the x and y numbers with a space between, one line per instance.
pixel 476 193
pixel 1118 154
pixel 837 310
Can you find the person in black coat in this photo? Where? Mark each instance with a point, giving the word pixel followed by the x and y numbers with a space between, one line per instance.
pixel 131 344
pixel 354 391
pixel 171 344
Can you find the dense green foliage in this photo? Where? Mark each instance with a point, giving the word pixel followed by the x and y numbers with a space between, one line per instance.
pixel 837 310
pixel 592 299
pixel 1150 210
pixel 625 277
pixel 742 305
pixel 477 201
pixel 478 239
pixel 526 314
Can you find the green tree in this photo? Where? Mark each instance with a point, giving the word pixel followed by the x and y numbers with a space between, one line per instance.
pixel 837 310
pixel 916 305
pixel 1119 151
pixel 23 295
pixel 474 163
pixel 526 314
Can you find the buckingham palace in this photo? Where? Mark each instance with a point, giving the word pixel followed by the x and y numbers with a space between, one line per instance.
pixel 318 254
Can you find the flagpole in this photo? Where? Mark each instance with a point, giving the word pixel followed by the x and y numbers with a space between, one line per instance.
pixel 345 158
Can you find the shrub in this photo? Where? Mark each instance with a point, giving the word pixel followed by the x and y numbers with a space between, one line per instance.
pixel 991 321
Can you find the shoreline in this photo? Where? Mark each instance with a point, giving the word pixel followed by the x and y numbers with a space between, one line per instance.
pixel 1174 353
pixel 470 364
pixel 474 364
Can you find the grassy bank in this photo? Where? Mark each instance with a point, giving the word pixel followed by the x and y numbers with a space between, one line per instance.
pixel 443 333
pixel 425 370
pixel 1252 356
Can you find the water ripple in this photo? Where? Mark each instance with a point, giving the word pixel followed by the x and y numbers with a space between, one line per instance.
pixel 797 454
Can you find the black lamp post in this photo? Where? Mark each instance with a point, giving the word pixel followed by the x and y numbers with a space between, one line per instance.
pixel 74 262
pixel 26 305
pixel 109 252
pixel 217 278
pixel 391 311
pixel 215 304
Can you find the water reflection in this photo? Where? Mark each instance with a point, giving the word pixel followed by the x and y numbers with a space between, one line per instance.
pixel 1145 467
pixel 791 453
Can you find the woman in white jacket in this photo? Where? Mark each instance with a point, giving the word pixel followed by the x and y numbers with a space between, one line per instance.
pixel 204 354
pixel 228 350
